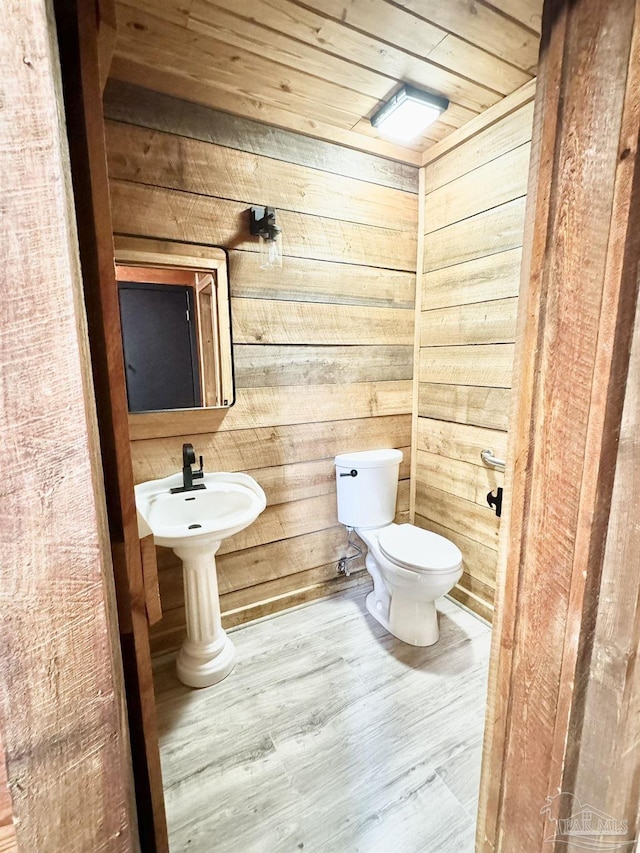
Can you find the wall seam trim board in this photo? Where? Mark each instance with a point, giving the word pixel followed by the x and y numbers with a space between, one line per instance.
pixel 416 345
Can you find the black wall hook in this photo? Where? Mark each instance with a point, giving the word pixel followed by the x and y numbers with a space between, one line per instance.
pixel 496 500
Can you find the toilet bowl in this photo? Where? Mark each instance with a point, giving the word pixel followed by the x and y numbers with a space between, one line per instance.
pixel 410 567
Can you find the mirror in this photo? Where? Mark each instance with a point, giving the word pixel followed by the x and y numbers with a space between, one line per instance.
pixel 176 325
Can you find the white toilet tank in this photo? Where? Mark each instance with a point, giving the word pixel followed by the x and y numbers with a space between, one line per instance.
pixel 367 484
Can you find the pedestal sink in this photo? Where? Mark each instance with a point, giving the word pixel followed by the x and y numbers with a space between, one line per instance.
pixel 193 524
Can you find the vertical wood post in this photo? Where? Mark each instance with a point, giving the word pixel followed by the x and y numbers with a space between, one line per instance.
pixel 79 54
pixel 61 692
pixel 576 322
pixel 8 839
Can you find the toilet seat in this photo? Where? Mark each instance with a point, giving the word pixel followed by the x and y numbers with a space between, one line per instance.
pixel 413 548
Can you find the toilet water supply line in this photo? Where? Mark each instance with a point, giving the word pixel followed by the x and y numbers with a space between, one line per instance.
pixel 343 563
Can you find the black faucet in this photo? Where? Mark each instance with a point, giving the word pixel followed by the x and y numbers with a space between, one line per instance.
pixel 188 474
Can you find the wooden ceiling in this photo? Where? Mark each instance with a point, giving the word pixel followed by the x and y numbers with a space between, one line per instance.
pixel 323 67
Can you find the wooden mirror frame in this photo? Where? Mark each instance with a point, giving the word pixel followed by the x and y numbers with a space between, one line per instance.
pixel 166 254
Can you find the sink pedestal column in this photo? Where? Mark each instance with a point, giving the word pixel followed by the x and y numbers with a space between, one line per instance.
pixel 207 655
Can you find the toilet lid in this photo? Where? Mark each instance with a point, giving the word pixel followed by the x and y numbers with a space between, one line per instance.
pixel 415 548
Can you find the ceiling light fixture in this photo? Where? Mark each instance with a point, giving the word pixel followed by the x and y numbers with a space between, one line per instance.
pixel 408 113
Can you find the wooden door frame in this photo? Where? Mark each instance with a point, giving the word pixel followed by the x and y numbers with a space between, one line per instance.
pixel 67 780
pixel 576 325
pixel 83 61
pixel 8 835
pixel 567 625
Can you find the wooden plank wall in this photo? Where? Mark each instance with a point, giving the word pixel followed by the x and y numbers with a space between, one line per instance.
pixel 323 348
pixel 475 195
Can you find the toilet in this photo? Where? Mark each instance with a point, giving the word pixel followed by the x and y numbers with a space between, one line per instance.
pixel 410 567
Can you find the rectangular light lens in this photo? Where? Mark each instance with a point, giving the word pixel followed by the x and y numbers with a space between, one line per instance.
pixel 408 114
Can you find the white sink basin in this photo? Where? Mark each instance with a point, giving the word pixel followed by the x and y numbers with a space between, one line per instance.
pixel 194 523
pixel 227 504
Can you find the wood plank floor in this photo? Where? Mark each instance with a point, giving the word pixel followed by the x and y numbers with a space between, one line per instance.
pixel 330 735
